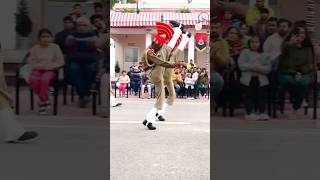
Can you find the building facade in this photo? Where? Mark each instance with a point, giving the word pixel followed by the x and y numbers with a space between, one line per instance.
pixel 131 33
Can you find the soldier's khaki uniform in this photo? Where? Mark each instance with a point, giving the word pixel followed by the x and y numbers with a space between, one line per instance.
pixel 158 62
pixel 10 129
pixel 175 57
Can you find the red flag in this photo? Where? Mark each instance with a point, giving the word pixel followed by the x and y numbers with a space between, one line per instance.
pixel 201 41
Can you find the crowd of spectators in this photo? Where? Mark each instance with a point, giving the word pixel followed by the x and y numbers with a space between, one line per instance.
pixel 251 48
pixel 78 49
pixel 191 82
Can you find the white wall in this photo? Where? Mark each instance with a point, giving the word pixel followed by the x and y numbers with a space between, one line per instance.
pixel 7 19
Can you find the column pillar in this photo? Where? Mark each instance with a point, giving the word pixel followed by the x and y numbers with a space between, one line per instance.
pixel 112 59
pixel 148 39
pixel 191 49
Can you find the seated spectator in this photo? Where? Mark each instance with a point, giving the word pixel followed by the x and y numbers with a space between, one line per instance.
pixel 233 39
pixel 254 67
pixel 60 37
pixel 253 13
pixel 244 34
pixel 123 82
pixel 271 28
pixel 219 59
pixel 135 79
pixel 202 83
pixel 296 66
pixel 145 83
pixel 177 80
pixel 189 85
pixel 195 76
pixel 82 59
pixel 260 26
pixel 77 12
pixel 45 58
pixel 273 44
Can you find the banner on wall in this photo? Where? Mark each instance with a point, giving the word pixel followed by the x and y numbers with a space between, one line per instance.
pixel 201 41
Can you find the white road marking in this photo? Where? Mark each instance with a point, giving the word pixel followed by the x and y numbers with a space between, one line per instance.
pixel 64 126
pixel 157 122
pixel 273 131
pixel 102 126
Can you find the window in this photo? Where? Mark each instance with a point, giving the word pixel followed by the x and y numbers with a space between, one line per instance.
pixel 131 54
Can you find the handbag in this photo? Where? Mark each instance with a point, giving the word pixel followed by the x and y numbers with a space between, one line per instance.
pixel 25 72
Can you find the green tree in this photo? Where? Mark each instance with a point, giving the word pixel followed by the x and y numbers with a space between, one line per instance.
pixel 117 67
pixel 23 21
pixel 112 3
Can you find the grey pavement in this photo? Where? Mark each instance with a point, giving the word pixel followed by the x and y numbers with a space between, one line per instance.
pixel 67 148
pixel 178 150
pixel 72 145
pixel 274 150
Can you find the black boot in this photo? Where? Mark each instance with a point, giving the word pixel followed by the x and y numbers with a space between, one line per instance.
pixel 26 136
pixel 176 24
pixel 148 125
pixel 159 117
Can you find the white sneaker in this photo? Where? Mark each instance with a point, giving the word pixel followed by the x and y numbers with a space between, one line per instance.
pixel 251 117
pixel 264 117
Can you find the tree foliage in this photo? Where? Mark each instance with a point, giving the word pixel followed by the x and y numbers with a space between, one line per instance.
pixel 23 21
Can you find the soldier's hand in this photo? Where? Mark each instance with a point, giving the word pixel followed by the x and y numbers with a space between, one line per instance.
pixel 181 63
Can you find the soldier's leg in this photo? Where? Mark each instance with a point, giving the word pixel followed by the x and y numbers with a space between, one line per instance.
pixel 159 92
pixel 172 93
pixel 10 129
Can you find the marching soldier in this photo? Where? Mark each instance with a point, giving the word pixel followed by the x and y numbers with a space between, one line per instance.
pixel 11 131
pixel 155 61
pixel 175 56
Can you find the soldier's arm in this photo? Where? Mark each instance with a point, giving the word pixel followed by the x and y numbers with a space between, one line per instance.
pixel 154 59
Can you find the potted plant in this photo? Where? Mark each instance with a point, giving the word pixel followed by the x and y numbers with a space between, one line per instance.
pixel 117 69
pixel 184 10
pixel 23 25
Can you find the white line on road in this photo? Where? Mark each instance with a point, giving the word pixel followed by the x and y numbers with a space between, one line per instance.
pixel 102 126
pixel 139 122
pixel 271 131
pixel 69 127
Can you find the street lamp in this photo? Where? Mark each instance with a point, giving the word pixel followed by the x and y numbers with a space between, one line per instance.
pixel 200 20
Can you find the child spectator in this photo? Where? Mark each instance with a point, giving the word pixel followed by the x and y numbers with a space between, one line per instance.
pixel 45 58
pixel 254 67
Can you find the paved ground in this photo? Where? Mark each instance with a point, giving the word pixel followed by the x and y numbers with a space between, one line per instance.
pixel 177 150
pixel 74 144
pixel 275 150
